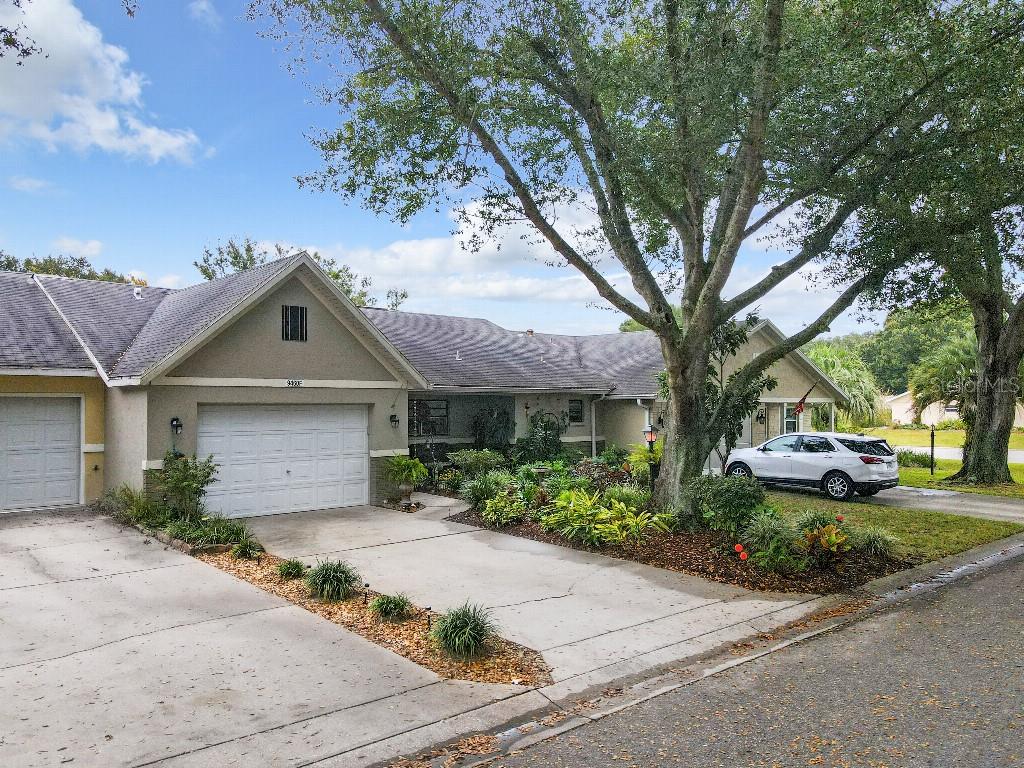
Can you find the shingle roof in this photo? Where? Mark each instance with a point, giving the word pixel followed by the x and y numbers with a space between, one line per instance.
pixel 32 334
pixel 471 352
pixel 183 314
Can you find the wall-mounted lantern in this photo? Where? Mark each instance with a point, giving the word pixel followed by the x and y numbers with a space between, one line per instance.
pixel 761 415
pixel 394 420
pixel 176 425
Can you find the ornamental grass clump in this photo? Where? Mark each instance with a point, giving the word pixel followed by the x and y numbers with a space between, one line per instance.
pixel 393 608
pixel 463 632
pixel 247 548
pixel 291 569
pixel 875 542
pixel 332 580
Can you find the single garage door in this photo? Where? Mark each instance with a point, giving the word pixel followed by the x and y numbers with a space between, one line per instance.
pixel 40 451
pixel 285 458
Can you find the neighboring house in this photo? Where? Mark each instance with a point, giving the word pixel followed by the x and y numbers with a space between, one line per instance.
pixel 607 384
pixel 299 396
pixel 902 407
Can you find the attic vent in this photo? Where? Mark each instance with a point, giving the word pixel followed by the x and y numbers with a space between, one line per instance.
pixel 137 291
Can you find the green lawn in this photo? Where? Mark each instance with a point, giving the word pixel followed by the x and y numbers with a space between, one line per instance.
pixel 924 535
pixel 944 438
pixel 920 477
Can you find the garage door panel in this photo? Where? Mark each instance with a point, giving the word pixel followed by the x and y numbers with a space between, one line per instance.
pixel 40 451
pixel 285 458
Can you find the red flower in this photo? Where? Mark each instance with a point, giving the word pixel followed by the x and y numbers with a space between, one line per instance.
pixel 743 555
pixel 839 518
pixel 738 547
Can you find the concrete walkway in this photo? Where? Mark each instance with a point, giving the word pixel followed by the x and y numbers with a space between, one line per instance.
pixel 594 618
pixel 954 502
pixel 115 651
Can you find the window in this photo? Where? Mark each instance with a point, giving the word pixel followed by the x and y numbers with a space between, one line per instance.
pixel 868 447
pixel 575 411
pixel 428 418
pixel 293 323
pixel 790 418
pixel 815 445
pixel 782 444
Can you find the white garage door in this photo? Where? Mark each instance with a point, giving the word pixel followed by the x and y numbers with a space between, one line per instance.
pixel 40 451
pixel 284 458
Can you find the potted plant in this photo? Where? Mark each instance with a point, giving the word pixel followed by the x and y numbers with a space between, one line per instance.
pixel 406 472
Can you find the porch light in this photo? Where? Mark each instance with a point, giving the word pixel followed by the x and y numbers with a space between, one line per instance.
pixel 394 420
pixel 176 425
pixel 651 436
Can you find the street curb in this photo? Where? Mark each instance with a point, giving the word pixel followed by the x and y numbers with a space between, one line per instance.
pixel 884 593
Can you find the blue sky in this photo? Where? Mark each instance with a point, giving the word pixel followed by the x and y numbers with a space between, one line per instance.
pixel 138 141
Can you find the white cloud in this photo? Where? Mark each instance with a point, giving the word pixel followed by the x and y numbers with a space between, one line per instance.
pixel 29 184
pixel 80 92
pixel 170 281
pixel 205 13
pixel 90 249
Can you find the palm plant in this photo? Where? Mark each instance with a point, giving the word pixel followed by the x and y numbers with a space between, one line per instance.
pixel 844 366
pixel 405 471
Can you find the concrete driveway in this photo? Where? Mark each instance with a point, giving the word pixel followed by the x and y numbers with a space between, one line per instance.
pixel 115 651
pixel 594 618
pixel 954 502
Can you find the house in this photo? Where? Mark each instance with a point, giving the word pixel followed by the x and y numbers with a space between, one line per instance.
pixel 299 396
pixel 903 411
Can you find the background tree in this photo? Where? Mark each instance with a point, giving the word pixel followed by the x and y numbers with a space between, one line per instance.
pixel 843 365
pixel 14 37
pixel 232 256
pixel 65 266
pixel 684 129
pixel 909 333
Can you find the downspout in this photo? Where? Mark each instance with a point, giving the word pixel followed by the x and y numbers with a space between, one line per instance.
pixel 647 413
pixel 593 424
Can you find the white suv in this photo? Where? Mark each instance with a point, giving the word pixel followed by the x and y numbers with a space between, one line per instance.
pixel 836 463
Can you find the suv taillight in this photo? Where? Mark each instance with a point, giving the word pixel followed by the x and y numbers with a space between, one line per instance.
pixel 872 460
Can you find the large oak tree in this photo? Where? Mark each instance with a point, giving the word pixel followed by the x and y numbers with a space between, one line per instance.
pixel 684 128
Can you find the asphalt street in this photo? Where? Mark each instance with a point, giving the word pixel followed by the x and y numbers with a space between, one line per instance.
pixel 935 681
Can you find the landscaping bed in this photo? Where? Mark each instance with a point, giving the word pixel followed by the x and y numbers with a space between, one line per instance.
pixel 504 662
pixel 709 554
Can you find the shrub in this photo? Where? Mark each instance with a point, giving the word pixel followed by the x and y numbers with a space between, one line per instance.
pixel 184 480
pixel 530 493
pixel 207 531
pixel 291 569
pixel 332 580
pixel 574 515
pixel 613 456
pixel 247 548
pixel 950 424
pixel 813 519
pixel 640 457
pixel 630 494
pixel 391 607
pixel 450 480
pixel 908 458
pixel 405 470
pixel 624 525
pixel 472 462
pixel 505 509
pixel 463 632
pixel 556 484
pixel 600 475
pixel 876 542
pixel 773 541
pixel 482 488
pixel 543 441
pixel 723 503
pixel 132 507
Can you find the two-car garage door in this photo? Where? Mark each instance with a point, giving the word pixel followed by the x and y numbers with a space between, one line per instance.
pixel 285 458
pixel 40 451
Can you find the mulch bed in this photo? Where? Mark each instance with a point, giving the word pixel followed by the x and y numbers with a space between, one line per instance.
pixel 710 555
pixel 506 662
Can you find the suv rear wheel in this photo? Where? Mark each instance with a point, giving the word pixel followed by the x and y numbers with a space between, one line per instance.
pixel 837 486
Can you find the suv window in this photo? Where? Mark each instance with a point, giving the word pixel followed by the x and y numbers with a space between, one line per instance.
pixel 783 444
pixel 816 445
pixel 868 447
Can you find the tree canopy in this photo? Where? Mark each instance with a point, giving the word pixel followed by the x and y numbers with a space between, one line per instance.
pixel 65 266
pixel 232 256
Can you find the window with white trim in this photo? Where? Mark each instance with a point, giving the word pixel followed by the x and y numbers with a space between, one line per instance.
pixel 790 418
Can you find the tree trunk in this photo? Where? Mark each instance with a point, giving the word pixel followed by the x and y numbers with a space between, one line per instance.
pixel 996 384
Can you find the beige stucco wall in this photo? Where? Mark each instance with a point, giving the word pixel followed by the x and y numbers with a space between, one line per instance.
pixel 92 392
pixel 622 422
pixel 252 347
pixel 554 403
pixel 126 436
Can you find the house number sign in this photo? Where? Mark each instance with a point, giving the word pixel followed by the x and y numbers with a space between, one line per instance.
pixel 294 382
